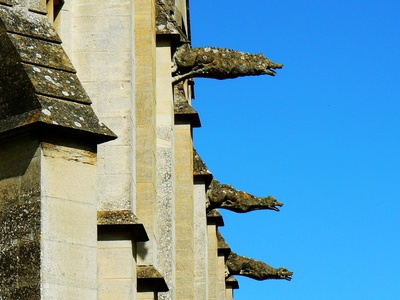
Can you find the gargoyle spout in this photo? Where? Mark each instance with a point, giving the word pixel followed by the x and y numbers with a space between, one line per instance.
pixel 272 67
pixel 255 269
pixel 219 63
pixel 226 196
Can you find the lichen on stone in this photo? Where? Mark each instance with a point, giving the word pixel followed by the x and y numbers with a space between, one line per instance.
pixel 219 63
pixel 255 269
pixel 227 197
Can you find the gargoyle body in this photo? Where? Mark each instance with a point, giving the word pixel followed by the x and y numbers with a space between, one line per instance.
pixel 226 196
pixel 219 63
pixel 255 269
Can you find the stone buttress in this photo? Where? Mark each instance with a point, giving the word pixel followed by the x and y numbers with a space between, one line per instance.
pixel 49 135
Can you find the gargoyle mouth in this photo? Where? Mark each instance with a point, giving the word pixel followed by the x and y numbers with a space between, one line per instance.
pixel 287 276
pixel 284 273
pixel 280 204
pixel 271 68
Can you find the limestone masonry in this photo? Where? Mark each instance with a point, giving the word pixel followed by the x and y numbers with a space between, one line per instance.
pixel 102 195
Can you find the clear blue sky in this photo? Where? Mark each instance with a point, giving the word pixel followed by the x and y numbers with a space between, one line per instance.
pixel 322 137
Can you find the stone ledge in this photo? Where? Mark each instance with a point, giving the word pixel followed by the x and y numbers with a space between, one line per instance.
pixel 19 20
pixel 215 218
pixel 231 282
pixel 200 170
pixel 58 117
pixel 150 280
pixel 109 221
pixel 223 247
pixel 186 114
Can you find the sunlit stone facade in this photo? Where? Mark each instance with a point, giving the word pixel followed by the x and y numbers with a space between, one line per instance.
pixel 102 195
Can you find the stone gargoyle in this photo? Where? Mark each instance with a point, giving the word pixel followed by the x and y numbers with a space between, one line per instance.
pixel 226 196
pixel 255 269
pixel 219 63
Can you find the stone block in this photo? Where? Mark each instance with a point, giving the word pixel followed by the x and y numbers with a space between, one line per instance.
pixel 121 125
pixel 58 269
pixel 61 218
pixel 118 159
pixel 146 296
pixel 115 262
pixel 115 289
pixel 56 186
pixel 66 292
pixel 115 69
pixel 114 192
pixel 145 166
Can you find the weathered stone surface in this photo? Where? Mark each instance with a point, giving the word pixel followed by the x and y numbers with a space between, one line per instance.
pixel 223 247
pixel 32 66
pixel 199 167
pixel 114 217
pixel 56 83
pixel 166 24
pixel 41 53
pixel 219 63
pixel 121 221
pixel 20 250
pixel 255 269
pixel 184 108
pixel 54 114
pixel 231 282
pixel 19 220
pixel 226 196
pixel 37 6
pixel 8 2
pixel 184 112
pixel 148 272
pixel 70 114
pixel 149 279
pixel 215 218
pixel 33 5
pixel 19 20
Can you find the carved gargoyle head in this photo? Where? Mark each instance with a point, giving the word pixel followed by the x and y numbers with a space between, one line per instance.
pixel 255 269
pixel 271 203
pixel 266 66
pixel 261 271
pixel 284 273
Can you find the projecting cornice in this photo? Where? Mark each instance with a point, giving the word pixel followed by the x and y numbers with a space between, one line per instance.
pixel 223 247
pixel 215 218
pixel 150 280
pixel 183 111
pixel 122 221
pixel 200 170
